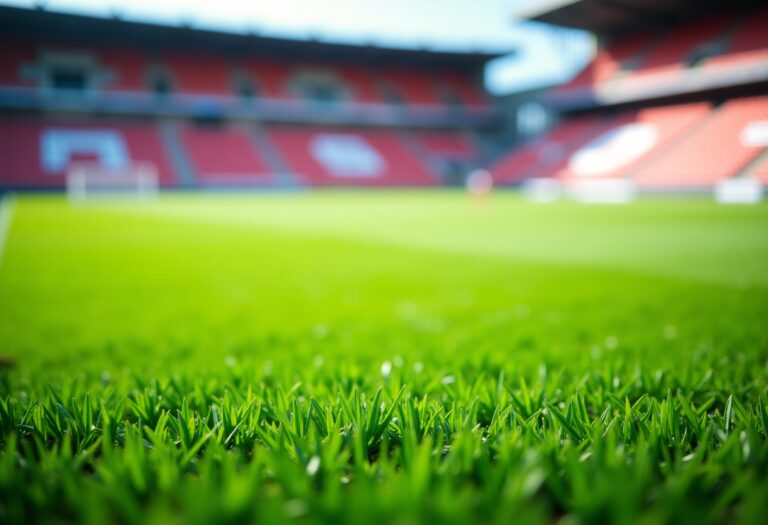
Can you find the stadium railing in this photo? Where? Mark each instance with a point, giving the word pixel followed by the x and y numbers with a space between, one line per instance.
pixel 231 107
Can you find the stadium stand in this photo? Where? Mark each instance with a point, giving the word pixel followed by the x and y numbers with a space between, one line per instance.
pixel 270 78
pixel 336 156
pixel 668 100
pixel 125 68
pixel 659 59
pixel 677 49
pixel 630 141
pixel 37 154
pixel 748 44
pixel 558 159
pixel 199 74
pixel 412 87
pixel 224 156
pixel 669 146
pixel 226 109
pixel 464 89
pixel 361 84
pixel 12 59
pixel 537 157
pixel 609 61
pixel 718 149
pixel 448 145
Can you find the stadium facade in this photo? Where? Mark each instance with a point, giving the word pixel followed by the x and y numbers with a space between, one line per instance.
pixel 674 99
pixel 214 109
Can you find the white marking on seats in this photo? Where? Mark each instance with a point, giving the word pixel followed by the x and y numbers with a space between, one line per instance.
pixel 6 212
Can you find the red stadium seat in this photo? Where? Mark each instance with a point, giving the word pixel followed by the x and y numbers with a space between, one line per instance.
pixel 413 87
pixel 714 151
pixel 360 84
pixel 670 53
pixel 468 92
pixel 537 157
pixel 127 69
pixel 631 141
pixel 349 157
pixel 13 57
pixel 33 159
pixel 608 61
pixel 224 156
pixel 448 145
pixel 270 78
pixel 665 55
pixel 196 74
pixel 749 43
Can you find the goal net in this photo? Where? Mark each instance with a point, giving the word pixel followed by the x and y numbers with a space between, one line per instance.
pixel 90 180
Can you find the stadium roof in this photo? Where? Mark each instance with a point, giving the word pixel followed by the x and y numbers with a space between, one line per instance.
pixel 57 27
pixel 611 16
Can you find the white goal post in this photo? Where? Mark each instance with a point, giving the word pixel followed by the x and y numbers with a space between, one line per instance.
pixel 92 180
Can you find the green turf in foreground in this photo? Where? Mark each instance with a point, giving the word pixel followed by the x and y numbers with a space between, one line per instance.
pixel 384 358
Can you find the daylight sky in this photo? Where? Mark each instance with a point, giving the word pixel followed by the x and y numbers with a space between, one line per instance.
pixel 546 55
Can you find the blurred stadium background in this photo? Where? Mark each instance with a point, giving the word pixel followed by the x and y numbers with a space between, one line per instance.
pixel 673 100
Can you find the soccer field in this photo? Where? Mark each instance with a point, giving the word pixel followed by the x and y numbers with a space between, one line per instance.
pixel 383 357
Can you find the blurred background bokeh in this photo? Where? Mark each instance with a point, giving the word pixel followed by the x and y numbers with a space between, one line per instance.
pixel 618 96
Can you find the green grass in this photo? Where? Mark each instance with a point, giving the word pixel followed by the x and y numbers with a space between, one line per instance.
pixel 392 357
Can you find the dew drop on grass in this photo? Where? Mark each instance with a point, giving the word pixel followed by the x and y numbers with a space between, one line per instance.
pixel 313 465
pixel 386 369
pixel 533 481
pixel 746 449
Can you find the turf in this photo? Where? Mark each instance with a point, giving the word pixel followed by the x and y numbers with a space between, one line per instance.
pixel 391 357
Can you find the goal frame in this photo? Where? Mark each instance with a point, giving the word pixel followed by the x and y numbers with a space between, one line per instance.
pixel 89 180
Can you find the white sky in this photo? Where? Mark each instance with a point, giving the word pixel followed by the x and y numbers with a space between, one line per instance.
pixel 546 55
